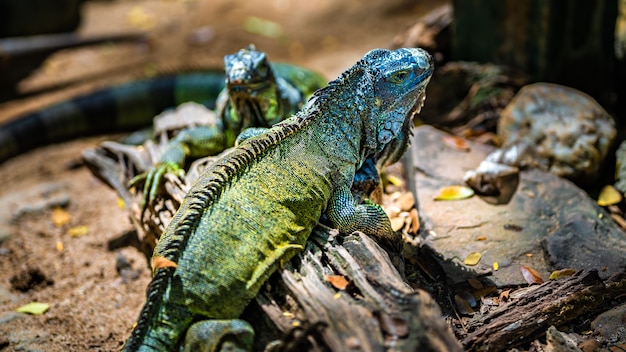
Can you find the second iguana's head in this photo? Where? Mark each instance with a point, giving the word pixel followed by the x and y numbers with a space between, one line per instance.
pixel 247 70
pixel 394 83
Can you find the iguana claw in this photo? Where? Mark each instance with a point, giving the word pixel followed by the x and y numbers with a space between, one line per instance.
pixel 153 179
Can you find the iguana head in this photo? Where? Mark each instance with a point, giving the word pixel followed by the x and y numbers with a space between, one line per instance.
pixel 247 70
pixel 252 88
pixel 394 82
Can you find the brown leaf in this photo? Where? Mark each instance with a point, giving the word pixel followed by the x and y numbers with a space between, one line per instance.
pixel 339 282
pixel 162 262
pixel 457 143
pixel 397 223
pixel 476 284
pixel 463 306
pixel 531 275
pixel 619 220
pixel 415 222
pixel 406 201
pixel 504 295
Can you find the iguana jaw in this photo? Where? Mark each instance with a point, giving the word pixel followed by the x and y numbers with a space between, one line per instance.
pixel 402 90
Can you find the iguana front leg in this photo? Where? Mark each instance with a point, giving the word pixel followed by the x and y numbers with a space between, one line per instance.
pixel 347 216
pixel 194 142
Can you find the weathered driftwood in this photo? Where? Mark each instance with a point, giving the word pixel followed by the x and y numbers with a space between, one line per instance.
pixel 556 302
pixel 376 311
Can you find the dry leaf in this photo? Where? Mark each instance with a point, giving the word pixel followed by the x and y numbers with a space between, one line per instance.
pixel 415 222
pixel 619 220
pixel 609 196
pixel 60 217
pixel 162 262
pixel 457 143
pixel 35 308
pixel 496 266
pixel 481 238
pixel 454 193
pixel 406 201
pixel 120 203
pixel 484 291
pixel 463 306
pixel 504 295
pixel 339 282
pixel 562 273
pixel 78 231
pixel 59 246
pixel 475 283
pixel 472 259
pixel 531 275
pixel 395 180
pixel 397 223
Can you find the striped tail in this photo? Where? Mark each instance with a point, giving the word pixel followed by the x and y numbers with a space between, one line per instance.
pixel 121 108
pixel 161 324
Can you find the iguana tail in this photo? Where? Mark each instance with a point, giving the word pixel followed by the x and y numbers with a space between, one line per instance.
pixel 161 323
pixel 121 108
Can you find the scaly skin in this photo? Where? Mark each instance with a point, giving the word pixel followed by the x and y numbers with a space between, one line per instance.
pixel 257 94
pixel 255 207
pixel 122 108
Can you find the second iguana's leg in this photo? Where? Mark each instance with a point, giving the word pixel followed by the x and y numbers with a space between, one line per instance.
pixel 348 216
pixel 193 142
pixel 219 335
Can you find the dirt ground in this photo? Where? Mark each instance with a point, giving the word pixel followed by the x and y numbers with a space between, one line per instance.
pixel 92 305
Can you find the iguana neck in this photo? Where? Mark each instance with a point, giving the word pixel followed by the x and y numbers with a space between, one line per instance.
pixel 344 125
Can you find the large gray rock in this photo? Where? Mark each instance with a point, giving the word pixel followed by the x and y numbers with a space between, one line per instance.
pixel 571 133
pixel 548 224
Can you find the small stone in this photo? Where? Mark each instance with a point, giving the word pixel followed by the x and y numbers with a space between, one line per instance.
pixel 611 324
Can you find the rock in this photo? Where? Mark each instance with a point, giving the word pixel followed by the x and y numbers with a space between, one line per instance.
pixel 611 325
pixel 620 155
pixel 548 224
pixel 571 132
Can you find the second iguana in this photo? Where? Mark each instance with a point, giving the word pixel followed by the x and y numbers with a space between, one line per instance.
pixel 257 94
pixel 255 207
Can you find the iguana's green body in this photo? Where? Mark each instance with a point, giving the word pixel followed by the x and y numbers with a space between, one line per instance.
pixel 256 206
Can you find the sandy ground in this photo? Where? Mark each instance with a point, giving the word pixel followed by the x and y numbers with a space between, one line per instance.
pixel 93 306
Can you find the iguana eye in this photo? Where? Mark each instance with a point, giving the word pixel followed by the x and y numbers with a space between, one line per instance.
pixel 400 76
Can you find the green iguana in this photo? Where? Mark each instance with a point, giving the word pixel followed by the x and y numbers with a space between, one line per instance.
pixel 255 207
pixel 257 94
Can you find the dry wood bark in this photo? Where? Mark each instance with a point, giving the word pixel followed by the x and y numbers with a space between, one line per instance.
pixel 555 302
